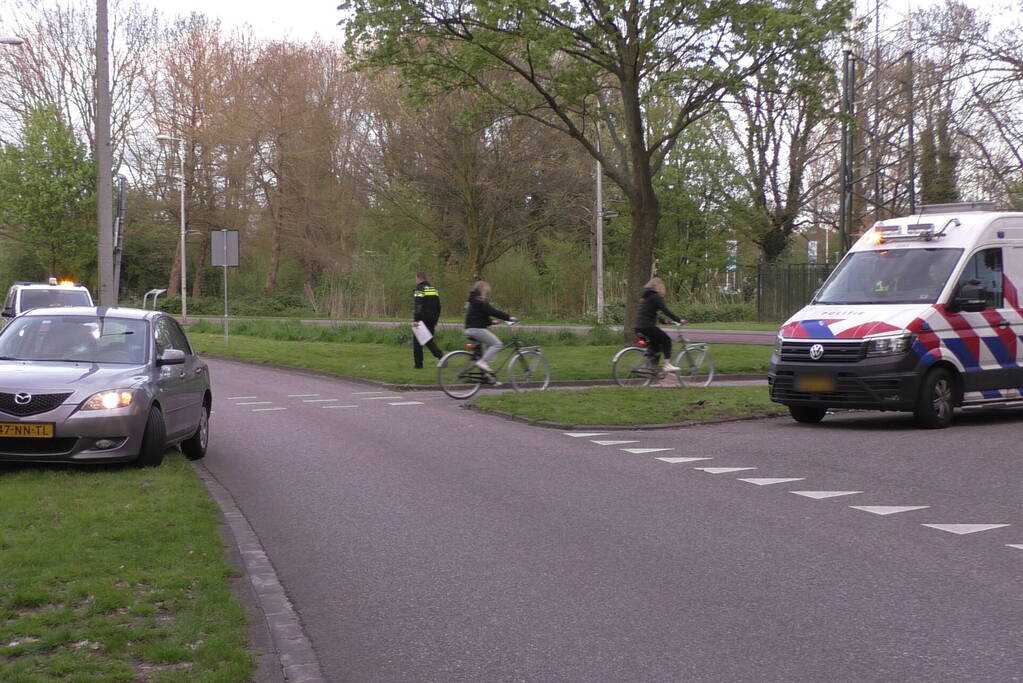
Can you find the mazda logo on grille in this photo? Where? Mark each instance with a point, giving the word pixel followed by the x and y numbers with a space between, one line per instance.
pixel 816 351
pixel 22 399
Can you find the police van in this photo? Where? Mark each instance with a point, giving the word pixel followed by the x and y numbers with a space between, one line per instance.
pixel 24 296
pixel 922 315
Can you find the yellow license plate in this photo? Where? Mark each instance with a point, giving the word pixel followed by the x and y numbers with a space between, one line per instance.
pixel 815 383
pixel 31 430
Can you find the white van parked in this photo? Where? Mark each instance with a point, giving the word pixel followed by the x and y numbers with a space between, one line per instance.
pixel 24 296
pixel 924 314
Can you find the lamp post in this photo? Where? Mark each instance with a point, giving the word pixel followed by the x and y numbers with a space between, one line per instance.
pixel 181 176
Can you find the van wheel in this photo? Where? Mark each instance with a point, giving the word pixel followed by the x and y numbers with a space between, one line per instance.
pixel 807 414
pixel 934 406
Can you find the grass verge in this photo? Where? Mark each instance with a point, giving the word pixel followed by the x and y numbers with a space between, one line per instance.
pixel 393 364
pixel 625 406
pixel 115 574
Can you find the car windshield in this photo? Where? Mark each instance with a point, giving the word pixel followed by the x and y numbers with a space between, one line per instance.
pixel 82 338
pixel 890 276
pixel 45 298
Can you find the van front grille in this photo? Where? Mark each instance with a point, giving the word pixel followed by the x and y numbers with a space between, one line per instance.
pixel 798 351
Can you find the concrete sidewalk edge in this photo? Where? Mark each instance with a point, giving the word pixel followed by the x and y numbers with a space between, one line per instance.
pixel 292 658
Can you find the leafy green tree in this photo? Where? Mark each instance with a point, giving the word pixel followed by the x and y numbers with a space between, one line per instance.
pixel 938 164
pixel 645 71
pixel 47 196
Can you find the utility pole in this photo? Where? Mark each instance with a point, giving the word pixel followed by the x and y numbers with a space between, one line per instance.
pixel 104 160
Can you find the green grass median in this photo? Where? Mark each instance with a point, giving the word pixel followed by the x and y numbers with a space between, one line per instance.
pixel 115 574
pixel 392 362
pixel 631 406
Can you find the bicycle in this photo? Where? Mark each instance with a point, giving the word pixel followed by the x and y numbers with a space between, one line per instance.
pixel 461 378
pixel 637 365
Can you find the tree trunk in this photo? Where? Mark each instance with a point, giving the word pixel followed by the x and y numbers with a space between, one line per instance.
pixel 275 254
pixel 199 268
pixel 646 212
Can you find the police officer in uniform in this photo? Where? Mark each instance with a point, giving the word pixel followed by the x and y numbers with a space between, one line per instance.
pixel 425 311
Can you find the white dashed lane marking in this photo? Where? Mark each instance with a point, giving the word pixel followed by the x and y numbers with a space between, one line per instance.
pixel 318 400
pixel 888 509
pixel 406 403
pixel 239 398
pixel 640 451
pixel 263 410
pixel 338 406
pixel 818 495
pixel 723 470
pixel 255 403
pixel 961 529
pixel 675 461
pixel 302 395
pixel 365 393
pixel 958 529
pixel 381 398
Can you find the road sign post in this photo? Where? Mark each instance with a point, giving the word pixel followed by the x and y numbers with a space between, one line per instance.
pixel 224 250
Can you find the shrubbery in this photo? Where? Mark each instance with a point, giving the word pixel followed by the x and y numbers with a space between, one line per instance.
pixel 398 335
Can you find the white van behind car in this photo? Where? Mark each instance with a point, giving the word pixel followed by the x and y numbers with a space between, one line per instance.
pixel 24 296
pixel 923 314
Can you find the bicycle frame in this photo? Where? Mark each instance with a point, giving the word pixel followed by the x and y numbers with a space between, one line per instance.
pixel 514 347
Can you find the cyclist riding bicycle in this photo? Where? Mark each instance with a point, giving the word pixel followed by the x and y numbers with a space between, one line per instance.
pixel 478 317
pixel 651 303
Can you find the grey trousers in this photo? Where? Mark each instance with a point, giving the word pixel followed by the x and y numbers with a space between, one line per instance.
pixel 491 344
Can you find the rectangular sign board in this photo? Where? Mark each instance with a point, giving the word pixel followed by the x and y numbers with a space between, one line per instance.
pixel 224 248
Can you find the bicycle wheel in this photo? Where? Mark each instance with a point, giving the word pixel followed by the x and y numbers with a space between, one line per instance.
pixel 529 368
pixel 458 375
pixel 696 366
pixel 631 367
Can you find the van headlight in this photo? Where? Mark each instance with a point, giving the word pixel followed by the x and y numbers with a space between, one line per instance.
pixel 890 345
pixel 109 400
pixel 778 344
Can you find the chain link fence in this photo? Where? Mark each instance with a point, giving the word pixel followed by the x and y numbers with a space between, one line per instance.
pixel 784 288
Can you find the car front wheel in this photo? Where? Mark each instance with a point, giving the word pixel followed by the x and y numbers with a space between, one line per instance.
pixel 154 440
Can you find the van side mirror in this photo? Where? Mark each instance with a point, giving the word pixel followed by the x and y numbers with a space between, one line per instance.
pixel 971 297
pixel 8 312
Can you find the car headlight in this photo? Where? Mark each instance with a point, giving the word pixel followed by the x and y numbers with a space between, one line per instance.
pixel 108 400
pixel 778 344
pixel 891 344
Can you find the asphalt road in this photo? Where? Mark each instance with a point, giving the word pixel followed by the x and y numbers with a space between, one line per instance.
pixel 423 542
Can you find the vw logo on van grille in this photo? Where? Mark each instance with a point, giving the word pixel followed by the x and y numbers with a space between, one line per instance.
pixel 816 351
pixel 22 399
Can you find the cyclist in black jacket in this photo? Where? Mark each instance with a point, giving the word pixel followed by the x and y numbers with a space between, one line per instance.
pixel 425 311
pixel 478 317
pixel 651 302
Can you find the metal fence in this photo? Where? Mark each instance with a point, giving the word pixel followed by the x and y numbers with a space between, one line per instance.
pixel 784 288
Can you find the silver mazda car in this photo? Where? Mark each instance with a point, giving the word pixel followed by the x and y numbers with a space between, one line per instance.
pixel 85 385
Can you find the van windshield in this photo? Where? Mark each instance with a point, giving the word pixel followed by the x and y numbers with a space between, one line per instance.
pixel 46 298
pixel 890 276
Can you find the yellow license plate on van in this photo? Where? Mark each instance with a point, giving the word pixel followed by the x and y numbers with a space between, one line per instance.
pixel 815 383
pixel 30 430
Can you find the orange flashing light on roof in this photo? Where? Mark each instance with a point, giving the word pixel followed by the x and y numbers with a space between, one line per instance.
pixel 875 236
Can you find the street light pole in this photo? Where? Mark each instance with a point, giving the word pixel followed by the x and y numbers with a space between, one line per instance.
pixel 104 160
pixel 181 176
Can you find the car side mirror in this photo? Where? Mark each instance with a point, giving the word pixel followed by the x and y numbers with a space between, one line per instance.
pixel 171 357
pixel 971 297
pixel 8 312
